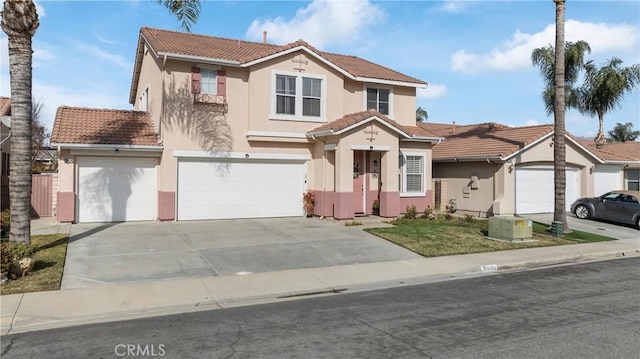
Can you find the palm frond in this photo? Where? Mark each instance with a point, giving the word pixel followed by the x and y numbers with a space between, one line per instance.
pixel 185 11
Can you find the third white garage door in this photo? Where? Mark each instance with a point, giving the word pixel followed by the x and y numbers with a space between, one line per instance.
pixel 535 189
pixel 223 189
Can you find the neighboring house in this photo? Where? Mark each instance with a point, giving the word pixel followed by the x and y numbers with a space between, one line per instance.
pixel 5 150
pixel 46 160
pixel 227 128
pixel 492 169
pixel 621 167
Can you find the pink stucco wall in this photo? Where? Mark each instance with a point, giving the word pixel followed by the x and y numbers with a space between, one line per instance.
pixel 166 206
pixel 343 208
pixel 389 204
pixel 66 207
pixel 420 202
pixel 324 203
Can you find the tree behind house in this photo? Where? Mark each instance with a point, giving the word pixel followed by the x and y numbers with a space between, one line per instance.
pixel 604 88
pixel 623 133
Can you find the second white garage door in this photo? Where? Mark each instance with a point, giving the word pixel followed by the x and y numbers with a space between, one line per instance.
pixel 535 190
pixel 224 189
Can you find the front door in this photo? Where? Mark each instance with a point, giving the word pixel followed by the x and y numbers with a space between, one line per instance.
pixel 358 181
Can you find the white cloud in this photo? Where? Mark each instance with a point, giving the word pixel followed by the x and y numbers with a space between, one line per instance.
pixel 95 51
pixel 39 10
pixel 320 23
pixel 454 6
pixel 432 91
pixel 532 122
pixel 515 53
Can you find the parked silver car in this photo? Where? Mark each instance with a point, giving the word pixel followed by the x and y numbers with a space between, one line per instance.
pixel 617 206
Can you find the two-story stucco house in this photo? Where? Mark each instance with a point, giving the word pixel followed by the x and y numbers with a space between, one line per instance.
pixel 226 128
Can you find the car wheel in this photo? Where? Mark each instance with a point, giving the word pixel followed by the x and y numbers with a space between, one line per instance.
pixel 583 212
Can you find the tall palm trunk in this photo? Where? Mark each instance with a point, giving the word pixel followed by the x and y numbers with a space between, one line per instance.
pixel 600 140
pixel 20 22
pixel 559 153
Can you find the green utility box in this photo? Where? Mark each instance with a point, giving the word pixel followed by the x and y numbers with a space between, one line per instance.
pixel 510 228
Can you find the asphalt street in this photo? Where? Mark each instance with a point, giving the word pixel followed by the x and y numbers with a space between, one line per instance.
pixel 581 311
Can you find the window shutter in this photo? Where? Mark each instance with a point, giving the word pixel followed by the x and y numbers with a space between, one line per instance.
pixel 195 80
pixel 222 83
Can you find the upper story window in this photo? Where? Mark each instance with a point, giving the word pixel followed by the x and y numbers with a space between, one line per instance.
pixel 411 173
pixel 298 97
pixel 379 99
pixel 143 105
pixel 208 81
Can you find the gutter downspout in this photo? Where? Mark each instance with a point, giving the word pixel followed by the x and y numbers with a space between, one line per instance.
pixel 161 133
pixel 324 155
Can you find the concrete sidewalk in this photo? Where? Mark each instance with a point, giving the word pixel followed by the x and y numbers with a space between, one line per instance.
pixel 54 309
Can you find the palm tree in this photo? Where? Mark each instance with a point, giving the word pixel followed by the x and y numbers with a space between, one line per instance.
pixel 559 154
pixel 623 133
pixel 604 89
pixel 186 11
pixel 20 22
pixel 544 59
pixel 421 115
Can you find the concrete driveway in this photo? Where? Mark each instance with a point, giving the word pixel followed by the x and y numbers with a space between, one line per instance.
pixel 619 231
pixel 117 253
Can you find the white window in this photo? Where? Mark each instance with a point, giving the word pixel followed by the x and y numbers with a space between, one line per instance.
pixel 298 97
pixel 633 180
pixel 411 173
pixel 208 81
pixel 143 105
pixel 379 99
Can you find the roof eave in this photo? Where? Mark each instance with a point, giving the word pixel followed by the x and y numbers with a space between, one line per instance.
pixel 391 82
pixel 201 59
pixel 93 146
pixel 320 133
pixel 435 140
pixel 469 159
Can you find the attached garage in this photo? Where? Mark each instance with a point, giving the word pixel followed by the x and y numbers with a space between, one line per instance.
pixel 239 188
pixel 535 189
pixel 607 178
pixel 114 190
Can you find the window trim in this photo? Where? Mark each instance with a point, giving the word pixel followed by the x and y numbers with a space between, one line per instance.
pixel 403 175
pixel 628 180
pixel 377 87
pixel 298 97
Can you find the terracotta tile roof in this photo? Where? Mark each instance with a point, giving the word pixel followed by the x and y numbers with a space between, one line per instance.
pixel 481 141
pixel 617 151
pixel 354 118
pixel 245 51
pixel 5 106
pixel 77 125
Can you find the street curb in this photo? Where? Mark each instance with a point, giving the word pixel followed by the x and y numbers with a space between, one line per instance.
pixel 566 259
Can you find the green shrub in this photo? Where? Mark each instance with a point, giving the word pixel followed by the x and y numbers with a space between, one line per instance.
pixel 446 217
pixel 5 218
pixel 411 212
pixel 468 218
pixel 353 223
pixel 428 213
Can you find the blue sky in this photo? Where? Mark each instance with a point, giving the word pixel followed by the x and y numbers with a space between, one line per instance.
pixel 475 55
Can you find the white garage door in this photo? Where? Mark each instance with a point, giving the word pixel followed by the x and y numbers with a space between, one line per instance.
pixel 607 178
pixel 535 190
pixel 114 190
pixel 239 189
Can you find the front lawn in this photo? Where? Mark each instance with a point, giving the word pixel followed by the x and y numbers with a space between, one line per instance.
pixel 442 237
pixel 47 270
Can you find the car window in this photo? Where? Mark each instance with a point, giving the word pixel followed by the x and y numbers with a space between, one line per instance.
pixel 611 196
pixel 630 199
